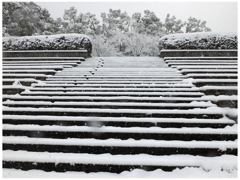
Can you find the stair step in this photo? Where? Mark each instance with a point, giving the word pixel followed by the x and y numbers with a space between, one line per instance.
pixel 47 72
pixel 201 58
pixel 116 121
pixel 212 76
pixel 206 67
pixel 36 59
pixel 58 97
pixel 156 133
pixel 204 64
pixel 212 112
pixel 46 53
pixel 110 105
pixel 198 52
pixel 117 146
pixel 110 86
pixel 21 76
pixel 48 63
pixel 62 162
pixel 108 89
pixel 32 67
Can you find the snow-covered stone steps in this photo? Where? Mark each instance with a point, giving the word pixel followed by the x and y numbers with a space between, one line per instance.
pixel 110 105
pixel 201 58
pixel 13 89
pixel 212 112
pixel 212 82
pixel 62 162
pixel 44 59
pixel 46 53
pixel 103 85
pixel 124 133
pixel 68 62
pixel 195 64
pixel 77 97
pixel 207 61
pixel 198 52
pixel 137 82
pixel 207 71
pixel 105 78
pixel 103 75
pixel 123 89
pixel 117 121
pixel 21 76
pixel 212 76
pixel 27 71
pixel 114 81
pixel 108 121
pixel 118 146
pixel 72 86
pixel 32 67
pixel 206 67
pixel 64 65
pixel 24 82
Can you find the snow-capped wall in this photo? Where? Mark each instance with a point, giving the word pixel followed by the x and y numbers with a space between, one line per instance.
pixel 48 42
pixel 202 40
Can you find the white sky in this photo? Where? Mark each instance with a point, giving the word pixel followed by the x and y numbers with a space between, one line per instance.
pixel 220 16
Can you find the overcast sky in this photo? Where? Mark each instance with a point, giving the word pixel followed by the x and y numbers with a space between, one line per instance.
pixel 220 16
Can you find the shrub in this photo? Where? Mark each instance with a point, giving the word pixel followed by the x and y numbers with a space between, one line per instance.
pixel 203 40
pixel 48 42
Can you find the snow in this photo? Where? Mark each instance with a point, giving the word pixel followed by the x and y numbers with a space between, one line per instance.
pixel 226 162
pixel 104 129
pixel 119 119
pixel 207 67
pixel 211 75
pixel 32 67
pixel 203 58
pixel 187 172
pixel 221 145
pixel 26 75
pixel 192 104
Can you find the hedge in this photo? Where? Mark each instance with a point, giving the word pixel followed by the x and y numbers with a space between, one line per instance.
pixel 48 42
pixel 203 40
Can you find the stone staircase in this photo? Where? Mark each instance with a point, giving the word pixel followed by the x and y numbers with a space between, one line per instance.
pixel 119 114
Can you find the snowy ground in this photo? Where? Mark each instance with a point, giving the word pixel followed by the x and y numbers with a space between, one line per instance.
pixel 228 163
pixel 187 172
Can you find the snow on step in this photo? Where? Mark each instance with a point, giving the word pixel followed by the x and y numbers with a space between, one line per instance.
pixel 207 67
pixel 43 58
pixel 221 145
pixel 199 58
pixel 209 75
pixel 139 130
pixel 208 64
pixel 222 162
pixel 78 98
pixel 32 67
pixel 29 70
pixel 137 82
pixel 40 62
pixel 170 88
pixel 153 105
pixel 117 119
pixel 200 112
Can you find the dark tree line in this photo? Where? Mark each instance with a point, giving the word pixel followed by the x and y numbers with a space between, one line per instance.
pixel 25 19
pixel 117 34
